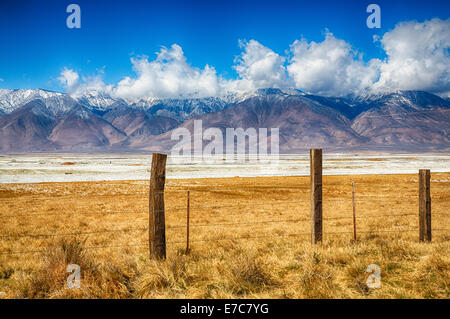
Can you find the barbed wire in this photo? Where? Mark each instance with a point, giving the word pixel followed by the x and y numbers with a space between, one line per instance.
pixel 166 209
pixel 145 229
pixel 294 188
pixel 73 234
pixel 87 247
pixel 286 235
pixel 244 223
pixel 385 215
pixel 345 197
pixel 367 216
pixel 71 213
pixel 229 238
pixel 213 207
pixel 374 231
pixel 239 238
pixel 359 199
pixel 176 208
pixel 204 225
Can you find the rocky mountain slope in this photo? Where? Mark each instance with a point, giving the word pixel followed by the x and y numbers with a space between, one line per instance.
pixel 44 121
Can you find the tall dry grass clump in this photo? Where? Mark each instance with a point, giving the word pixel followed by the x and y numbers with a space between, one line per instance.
pixel 250 273
pixel 50 279
pixel 229 273
pixel 98 280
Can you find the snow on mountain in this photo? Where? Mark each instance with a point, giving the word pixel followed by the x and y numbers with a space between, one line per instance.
pixel 44 120
pixel 57 103
pixel 185 108
pixel 97 100
pixel 60 103
pixel 143 103
pixel 4 92
pixel 180 108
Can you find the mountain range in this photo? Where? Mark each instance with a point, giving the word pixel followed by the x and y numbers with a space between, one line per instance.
pixel 44 121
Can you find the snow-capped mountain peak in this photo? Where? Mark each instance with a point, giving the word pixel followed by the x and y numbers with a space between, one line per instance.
pixel 97 99
pixel 56 102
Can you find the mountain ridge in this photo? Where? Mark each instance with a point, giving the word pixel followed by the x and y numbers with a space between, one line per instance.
pixel 42 120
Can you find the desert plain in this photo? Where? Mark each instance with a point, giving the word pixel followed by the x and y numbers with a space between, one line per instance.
pixel 249 238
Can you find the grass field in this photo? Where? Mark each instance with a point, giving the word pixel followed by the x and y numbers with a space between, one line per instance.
pixel 249 239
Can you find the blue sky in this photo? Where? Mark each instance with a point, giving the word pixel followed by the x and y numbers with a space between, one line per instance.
pixel 37 45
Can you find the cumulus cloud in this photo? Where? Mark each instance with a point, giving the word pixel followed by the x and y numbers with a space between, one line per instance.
pixel 168 76
pixel 417 57
pixel 330 67
pixel 77 86
pixel 260 67
pixel 69 79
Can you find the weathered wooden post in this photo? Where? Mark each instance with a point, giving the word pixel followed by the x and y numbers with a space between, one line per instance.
pixel 354 211
pixel 424 205
pixel 187 221
pixel 316 195
pixel 157 222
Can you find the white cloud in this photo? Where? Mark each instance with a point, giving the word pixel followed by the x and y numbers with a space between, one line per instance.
pixel 70 79
pixel 417 57
pixel 330 67
pixel 260 67
pixel 168 76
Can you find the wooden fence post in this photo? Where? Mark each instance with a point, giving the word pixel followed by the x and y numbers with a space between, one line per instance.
pixel 187 221
pixel 157 222
pixel 424 205
pixel 354 211
pixel 316 195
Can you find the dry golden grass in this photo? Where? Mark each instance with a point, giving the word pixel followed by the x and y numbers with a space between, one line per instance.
pixel 240 247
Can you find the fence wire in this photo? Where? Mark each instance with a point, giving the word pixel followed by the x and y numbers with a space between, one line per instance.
pixel 360 199
pixel 227 239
